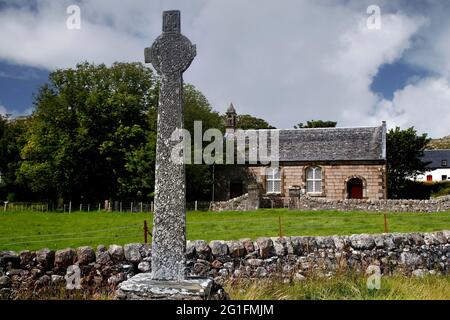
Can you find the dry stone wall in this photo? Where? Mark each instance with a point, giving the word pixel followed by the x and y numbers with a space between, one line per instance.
pixel 307 203
pixel 290 257
pixel 441 204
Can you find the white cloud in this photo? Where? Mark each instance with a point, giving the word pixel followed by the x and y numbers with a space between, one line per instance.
pixel 286 63
pixel 3 110
pixel 425 104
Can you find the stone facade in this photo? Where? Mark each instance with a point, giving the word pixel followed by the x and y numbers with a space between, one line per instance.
pixel 334 179
pixel 413 254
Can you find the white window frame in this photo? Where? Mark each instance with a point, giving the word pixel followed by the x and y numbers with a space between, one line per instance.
pixel 270 177
pixel 314 180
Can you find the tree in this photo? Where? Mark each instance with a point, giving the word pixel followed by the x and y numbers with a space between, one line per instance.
pixel 248 122
pixel 13 136
pixel 404 159
pixel 93 135
pixel 316 124
pixel 89 125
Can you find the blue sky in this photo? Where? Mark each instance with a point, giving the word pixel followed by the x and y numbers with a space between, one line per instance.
pixel 287 64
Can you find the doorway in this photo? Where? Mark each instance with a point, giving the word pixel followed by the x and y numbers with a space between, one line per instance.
pixel 355 188
pixel 236 189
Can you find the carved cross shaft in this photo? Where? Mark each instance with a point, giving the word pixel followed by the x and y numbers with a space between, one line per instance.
pixel 171 54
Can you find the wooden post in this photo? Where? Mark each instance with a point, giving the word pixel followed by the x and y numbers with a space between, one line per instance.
pixel 141 207
pixel 152 206
pixel 131 207
pixel 120 206
pixel 70 206
pixel 145 231
pixel 89 207
pixel 81 207
pixel 195 205
pixel 99 206
pixel 385 223
pixel 279 226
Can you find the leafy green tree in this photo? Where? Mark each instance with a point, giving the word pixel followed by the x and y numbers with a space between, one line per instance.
pixel 404 152
pixel 93 135
pixel 316 124
pixel 88 122
pixel 12 139
pixel 248 122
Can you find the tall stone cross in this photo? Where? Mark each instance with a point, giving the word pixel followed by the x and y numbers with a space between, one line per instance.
pixel 171 54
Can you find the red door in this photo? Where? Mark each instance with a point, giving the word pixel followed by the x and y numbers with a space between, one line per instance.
pixel 355 189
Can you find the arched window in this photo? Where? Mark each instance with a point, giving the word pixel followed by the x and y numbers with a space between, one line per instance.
pixel 314 180
pixel 273 180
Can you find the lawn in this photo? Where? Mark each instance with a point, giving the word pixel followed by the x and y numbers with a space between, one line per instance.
pixel 34 230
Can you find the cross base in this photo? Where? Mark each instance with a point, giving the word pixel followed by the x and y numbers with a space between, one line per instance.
pixel 143 287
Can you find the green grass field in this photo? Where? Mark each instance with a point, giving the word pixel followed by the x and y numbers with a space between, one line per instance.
pixel 35 230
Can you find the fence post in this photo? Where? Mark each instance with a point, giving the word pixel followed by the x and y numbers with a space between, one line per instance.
pixel 120 206
pixel 141 207
pixel 70 206
pixel 152 206
pixel 145 231
pixel 81 207
pixel 89 207
pixel 99 206
pixel 279 226
pixel 5 206
pixel 385 223
pixel 131 207
pixel 195 205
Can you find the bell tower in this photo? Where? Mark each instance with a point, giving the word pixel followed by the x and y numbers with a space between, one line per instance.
pixel 230 120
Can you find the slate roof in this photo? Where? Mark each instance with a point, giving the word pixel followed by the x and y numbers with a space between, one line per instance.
pixel 436 157
pixel 332 144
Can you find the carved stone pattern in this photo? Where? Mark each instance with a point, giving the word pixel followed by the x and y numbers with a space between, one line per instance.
pixel 172 53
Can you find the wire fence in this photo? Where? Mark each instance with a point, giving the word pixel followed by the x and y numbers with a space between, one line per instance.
pixel 217 227
pixel 117 206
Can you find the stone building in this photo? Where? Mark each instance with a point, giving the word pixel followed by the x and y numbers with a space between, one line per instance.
pixel 331 163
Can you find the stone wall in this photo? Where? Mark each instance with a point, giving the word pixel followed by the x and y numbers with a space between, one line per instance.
pixel 441 204
pixel 290 257
pixel 306 203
